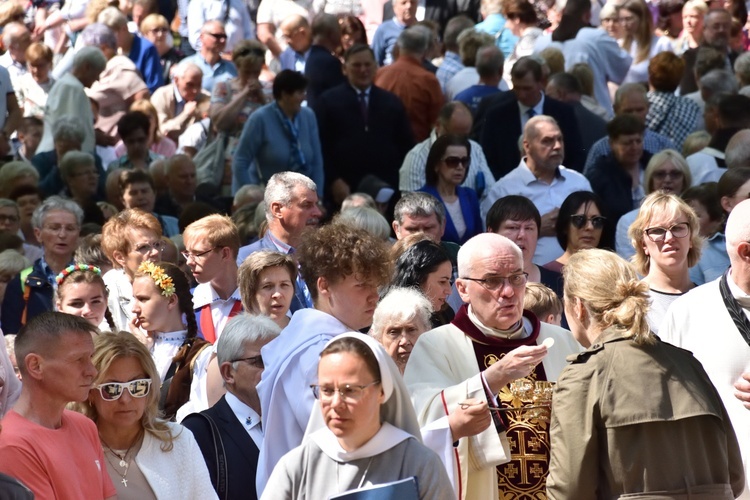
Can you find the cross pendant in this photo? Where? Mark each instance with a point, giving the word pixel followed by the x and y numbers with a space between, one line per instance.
pixel 125 482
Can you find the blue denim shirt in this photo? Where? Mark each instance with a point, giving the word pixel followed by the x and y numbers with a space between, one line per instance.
pixel 714 260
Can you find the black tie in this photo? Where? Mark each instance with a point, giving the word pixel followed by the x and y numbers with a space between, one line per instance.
pixel 363 106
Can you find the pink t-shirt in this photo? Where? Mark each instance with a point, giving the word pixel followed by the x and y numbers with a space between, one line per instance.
pixel 63 464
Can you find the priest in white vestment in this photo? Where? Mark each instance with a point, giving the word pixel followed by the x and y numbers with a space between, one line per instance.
pixel 491 343
pixel 713 322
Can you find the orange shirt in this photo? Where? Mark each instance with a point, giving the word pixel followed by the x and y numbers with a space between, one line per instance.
pixel 417 88
pixel 62 464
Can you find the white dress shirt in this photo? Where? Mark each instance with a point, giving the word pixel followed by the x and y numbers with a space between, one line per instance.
pixel 248 417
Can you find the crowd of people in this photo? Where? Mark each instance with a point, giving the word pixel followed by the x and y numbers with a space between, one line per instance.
pixel 287 249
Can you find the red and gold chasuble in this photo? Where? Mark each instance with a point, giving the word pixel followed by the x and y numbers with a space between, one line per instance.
pixel 527 428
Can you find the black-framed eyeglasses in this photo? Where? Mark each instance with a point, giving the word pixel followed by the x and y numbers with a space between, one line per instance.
pixel 579 221
pixel 658 234
pixel 256 361
pixel 111 391
pixel 9 218
pixel 493 283
pixel 218 36
pixel 349 393
pixel 189 255
pixel 456 161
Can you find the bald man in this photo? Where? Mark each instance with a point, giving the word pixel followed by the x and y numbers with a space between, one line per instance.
pixel 177 104
pixel 711 321
pixel 471 363
pixel 295 30
pixel 213 39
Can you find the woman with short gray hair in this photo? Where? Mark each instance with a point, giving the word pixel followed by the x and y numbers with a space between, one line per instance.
pixel 400 318
pixel 57 224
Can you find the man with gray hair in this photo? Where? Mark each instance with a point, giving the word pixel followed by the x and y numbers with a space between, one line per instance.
pixel 384 40
pixel 177 104
pixel 721 308
pixel 417 88
pixel 291 203
pixel 742 72
pixel 491 347
pixel 16 39
pixel 68 98
pixel 541 178
pixel 489 67
pixel 229 432
pixel 68 134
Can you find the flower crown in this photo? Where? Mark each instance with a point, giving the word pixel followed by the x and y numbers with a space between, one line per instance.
pixel 162 279
pixel 76 267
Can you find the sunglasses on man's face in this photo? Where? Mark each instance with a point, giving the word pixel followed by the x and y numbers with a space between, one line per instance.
pixel 111 391
pixel 579 221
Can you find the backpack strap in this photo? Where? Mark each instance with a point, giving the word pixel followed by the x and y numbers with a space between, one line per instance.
pixel 26 289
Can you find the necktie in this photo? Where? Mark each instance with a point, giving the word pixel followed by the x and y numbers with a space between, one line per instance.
pixel 531 113
pixel 363 106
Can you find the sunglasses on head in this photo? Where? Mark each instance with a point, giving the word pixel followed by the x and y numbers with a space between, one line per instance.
pixel 579 221
pixel 111 391
pixel 455 161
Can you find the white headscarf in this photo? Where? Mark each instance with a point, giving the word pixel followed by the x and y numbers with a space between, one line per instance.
pixel 396 412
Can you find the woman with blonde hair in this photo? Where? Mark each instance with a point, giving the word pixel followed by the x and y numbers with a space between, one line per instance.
pixel 157 142
pixel 668 431
pixel 667 241
pixel 146 457
pixel 668 172
pixel 639 40
pixel 155 29
pixel 691 37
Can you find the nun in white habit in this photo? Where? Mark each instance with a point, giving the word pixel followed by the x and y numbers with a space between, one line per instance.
pixel 362 432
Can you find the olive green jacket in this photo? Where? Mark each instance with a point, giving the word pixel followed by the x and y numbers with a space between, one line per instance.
pixel 640 422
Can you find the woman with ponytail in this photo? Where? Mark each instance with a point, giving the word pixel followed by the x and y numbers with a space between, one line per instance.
pixel 161 299
pixel 632 415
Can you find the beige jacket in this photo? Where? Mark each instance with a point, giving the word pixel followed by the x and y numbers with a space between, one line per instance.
pixel 640 422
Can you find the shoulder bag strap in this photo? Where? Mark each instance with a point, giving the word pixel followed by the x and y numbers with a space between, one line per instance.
pixel 734 309
pixel 222 478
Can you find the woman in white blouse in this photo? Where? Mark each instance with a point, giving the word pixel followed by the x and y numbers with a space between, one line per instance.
pixel 639 39
pixel 146 458
pixel 161 299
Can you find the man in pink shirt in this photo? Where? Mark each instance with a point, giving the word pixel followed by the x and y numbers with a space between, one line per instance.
pixel 55 452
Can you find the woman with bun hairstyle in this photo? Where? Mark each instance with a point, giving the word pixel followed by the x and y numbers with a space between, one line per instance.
pixel 632 415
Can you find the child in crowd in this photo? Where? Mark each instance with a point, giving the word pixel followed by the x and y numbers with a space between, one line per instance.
pixel 544 303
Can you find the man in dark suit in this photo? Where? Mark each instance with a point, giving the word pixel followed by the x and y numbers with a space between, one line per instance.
pixel 232 427
pixel 504 115
pixel 566 88
pixel 323 69
pixel 363 129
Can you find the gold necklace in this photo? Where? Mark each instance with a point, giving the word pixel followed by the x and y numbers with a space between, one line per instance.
pixel 124 462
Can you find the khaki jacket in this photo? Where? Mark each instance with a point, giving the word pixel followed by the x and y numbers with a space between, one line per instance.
pixel 640 422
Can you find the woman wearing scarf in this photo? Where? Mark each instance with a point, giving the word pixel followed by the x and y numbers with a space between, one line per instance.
pixel 365 434
pixel 280 136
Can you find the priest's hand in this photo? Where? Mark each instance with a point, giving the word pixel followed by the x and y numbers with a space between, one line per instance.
pixel 518 363
pixel 742 389
pixel 470 417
